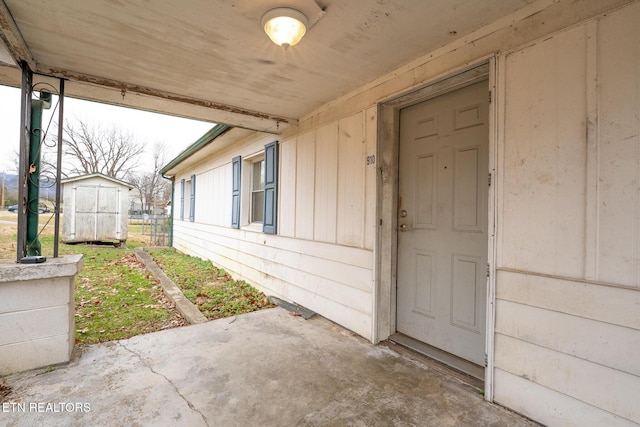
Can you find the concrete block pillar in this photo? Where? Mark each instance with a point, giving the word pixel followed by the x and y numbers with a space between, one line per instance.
pixel 37 313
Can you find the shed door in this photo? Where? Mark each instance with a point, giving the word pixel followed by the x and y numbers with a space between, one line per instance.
pixel 442 217
pixel 85 223
pixel 107 203
pixel 97 210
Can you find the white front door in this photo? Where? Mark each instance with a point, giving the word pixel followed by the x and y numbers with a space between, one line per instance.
pixel 442 217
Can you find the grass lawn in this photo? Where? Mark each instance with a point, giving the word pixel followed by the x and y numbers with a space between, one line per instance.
pixel 116 298
pixel 214 292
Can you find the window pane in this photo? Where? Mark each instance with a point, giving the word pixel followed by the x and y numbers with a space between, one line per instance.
pixel 257 206
pixel 187 199
pixel 257 191
pixel 258 176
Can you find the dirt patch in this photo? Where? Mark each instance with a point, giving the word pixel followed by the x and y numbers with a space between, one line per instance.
pixel 5 391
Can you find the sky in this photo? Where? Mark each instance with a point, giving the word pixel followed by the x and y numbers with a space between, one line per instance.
pixel 150 128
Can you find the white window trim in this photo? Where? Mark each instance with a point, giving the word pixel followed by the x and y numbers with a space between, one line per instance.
pixel 246 189
pixel 187 199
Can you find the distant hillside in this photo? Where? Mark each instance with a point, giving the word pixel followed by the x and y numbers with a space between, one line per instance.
pixel 47 187
pixel 10 182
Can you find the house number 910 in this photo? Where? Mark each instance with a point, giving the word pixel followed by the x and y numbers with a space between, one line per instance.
pixel 371 160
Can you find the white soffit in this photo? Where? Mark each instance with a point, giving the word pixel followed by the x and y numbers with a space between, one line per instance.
pixel 213 58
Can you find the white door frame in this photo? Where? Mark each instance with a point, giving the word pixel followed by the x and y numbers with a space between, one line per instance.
pixel 388 143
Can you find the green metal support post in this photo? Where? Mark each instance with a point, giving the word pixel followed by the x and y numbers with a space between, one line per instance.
pixel 33 189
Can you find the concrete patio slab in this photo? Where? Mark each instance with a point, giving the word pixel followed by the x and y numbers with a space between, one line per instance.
pixel 267 368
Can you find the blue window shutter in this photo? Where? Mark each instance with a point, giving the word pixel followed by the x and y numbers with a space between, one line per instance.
pixel 235 192
pixel 192 202
pixel 182 199
pixel 270 218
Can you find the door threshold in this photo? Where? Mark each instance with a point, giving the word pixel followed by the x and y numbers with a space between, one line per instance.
pixel 461 365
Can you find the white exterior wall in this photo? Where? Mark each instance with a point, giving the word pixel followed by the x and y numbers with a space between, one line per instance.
pixel 565 253
pixel 568 302
pixel 322 255
pixel 327 189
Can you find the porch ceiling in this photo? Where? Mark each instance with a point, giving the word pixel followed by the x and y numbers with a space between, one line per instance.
pixel 210 59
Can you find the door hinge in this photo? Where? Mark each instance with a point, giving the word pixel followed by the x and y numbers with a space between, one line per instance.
pixel 490 97
pixel 488 270
pixel 489 179
pixel 486 360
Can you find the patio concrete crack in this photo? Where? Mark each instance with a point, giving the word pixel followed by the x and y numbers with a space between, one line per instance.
pixel 175 388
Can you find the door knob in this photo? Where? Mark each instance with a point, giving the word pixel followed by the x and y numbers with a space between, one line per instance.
pixel 403 227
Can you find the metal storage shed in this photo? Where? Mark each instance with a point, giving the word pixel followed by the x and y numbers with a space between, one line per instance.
pixel 95 209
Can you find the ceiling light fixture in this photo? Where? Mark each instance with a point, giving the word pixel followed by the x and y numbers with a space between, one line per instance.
pixel 285 26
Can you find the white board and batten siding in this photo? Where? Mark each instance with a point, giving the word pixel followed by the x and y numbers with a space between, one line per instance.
pixel 322 255
pixel 567 208
pixel 567 342
pixel 328 183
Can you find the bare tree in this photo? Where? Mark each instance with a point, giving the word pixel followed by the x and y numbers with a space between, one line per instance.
pixel 90 149
pixel 151 187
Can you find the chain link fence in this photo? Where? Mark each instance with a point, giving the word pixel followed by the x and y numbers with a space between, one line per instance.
pixel 154 226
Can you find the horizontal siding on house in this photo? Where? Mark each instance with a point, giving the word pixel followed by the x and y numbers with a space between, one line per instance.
pixel 334 281
pixel 569 338
pixel 573 335
pixel 550 407
pixel 567 214
pixel 310 261
pixel 601 303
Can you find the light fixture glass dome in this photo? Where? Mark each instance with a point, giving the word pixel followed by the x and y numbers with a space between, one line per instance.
pixel 285 26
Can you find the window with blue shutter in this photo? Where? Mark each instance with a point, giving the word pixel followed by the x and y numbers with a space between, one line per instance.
pixel 192 202
pixel 270 217
pixel 182 199
pixel 235 193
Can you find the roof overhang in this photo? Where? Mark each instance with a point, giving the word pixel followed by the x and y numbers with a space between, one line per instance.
pixel 215 140
pixel 211 60
pixel 96 175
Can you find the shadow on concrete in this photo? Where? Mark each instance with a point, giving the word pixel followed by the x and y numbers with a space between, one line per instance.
pixel 267 368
